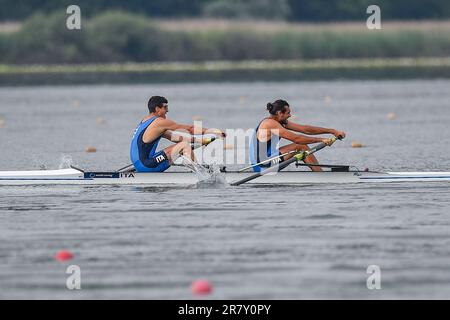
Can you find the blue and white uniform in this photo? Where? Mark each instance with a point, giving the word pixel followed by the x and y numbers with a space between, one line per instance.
pixel 143 155
pixel 260 151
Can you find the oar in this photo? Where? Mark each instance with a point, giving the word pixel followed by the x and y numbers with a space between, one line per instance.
pixel 332 166
pixel 268 160
pixel 126 167
pixel 207 142
pixel 299 156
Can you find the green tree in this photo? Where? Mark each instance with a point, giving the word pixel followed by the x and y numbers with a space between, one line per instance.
pixel 21 9
pixel 118 36
pixel 45 37
pixel 261 9
pixel 336 10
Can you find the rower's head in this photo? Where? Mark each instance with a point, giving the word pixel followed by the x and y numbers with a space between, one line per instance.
pixel 279 110
pixel 158 106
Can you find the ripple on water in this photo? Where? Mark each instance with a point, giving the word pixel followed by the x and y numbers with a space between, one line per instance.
pixel 324 216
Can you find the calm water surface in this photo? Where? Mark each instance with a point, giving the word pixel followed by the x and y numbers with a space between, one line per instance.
pixel 250 242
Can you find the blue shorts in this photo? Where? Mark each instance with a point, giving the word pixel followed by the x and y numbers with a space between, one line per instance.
pixel 157 162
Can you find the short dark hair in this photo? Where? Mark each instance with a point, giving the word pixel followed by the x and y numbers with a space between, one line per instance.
pixel 278 105
pixel 156 101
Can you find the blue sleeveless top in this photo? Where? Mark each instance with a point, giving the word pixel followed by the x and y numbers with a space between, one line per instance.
pixel 139 150
pixel 260 151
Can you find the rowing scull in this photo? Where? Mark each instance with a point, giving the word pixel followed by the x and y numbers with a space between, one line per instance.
pixel 73 176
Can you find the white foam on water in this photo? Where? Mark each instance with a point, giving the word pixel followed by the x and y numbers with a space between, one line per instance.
pixel 216 179
pixel 208 177
pixel 65 161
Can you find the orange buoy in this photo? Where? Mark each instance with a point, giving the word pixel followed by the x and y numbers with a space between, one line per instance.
pixel 91 149
pixel 100 120
pixel 357 144
pixel 391 116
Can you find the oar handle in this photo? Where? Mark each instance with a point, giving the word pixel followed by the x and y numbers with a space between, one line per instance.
pixel 209 140
pixel 322 145
pixel 205 142
pixel 303 154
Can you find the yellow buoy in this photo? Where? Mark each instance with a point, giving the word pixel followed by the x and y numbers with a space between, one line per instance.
pixel 356 144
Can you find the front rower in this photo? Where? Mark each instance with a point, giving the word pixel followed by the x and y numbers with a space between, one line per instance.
pixel 149 132
pixel 265 140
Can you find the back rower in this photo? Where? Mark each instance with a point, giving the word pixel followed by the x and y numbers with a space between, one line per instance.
pixel 265 140
pixel 149 132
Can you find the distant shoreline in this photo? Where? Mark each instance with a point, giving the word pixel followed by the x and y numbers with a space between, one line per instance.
pixel 264 26
pixel 254 70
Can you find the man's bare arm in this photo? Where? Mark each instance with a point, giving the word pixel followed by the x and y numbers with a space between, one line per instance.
pixel 168 124
pixel 298 138
pixel 169 135
pixel 278 129
pixel 313 130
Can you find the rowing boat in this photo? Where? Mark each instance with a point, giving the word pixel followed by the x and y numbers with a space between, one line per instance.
pixel 336 174
pixel 74 176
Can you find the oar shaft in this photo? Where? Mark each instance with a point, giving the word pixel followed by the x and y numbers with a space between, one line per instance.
pixel 126 167
pixel 318 147
pixel 298 157
pixel 267 161
pixel 302 155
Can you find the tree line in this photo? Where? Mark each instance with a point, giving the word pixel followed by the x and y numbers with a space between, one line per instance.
pixel 288 10
pixel 116 36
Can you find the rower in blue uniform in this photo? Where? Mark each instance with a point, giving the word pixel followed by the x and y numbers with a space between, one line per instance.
pixel 149 132
pixel 265 141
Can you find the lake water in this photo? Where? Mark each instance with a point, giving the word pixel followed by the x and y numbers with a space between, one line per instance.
pixel 250 242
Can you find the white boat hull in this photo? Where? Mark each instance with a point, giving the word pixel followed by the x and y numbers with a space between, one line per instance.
pixel 76 177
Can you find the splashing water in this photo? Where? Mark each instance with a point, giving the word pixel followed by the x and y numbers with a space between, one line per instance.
pixel 65 161
pixel 208 176
pixel 198 169
pixel 216 179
